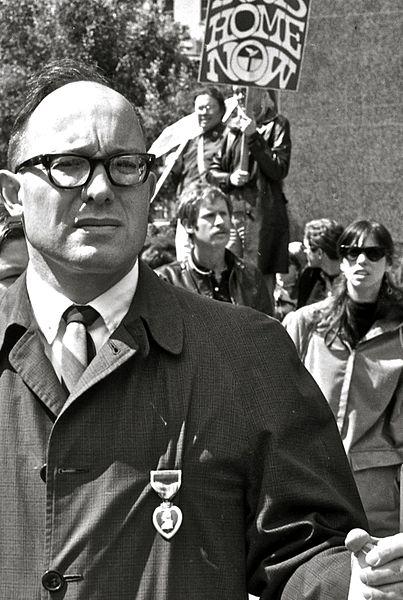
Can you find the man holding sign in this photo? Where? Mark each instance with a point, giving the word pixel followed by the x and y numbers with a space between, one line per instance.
pixel 251 164
pixel 191 165
pixel 260 45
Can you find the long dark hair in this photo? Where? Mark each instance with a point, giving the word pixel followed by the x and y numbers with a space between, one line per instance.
pixel 335 318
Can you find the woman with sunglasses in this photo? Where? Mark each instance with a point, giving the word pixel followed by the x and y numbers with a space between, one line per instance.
pixel 352 343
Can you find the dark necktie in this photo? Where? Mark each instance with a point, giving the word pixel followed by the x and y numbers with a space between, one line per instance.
pixel 78 347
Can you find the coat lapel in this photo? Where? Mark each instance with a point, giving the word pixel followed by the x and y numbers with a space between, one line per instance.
pixel 30 362
pixel 155 312
pixel 19 337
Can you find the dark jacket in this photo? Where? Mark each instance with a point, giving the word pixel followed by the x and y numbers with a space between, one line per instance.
pixel 183 383
pixel 185 170
pixel 246 285
pixel 314 285
pixel 270 153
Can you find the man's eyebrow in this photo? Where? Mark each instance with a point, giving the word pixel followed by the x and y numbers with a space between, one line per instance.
pixel 88 152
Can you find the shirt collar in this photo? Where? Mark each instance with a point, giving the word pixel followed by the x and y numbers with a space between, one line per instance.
pixel 48 305
pixel 229 263
pixel 158 309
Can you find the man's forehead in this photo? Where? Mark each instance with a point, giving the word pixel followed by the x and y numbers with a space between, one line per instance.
pixel 204 99
pixel 215 203
pixel 81 92
pixel 75 107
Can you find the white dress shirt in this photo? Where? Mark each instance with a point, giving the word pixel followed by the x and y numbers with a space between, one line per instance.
pixel 48 306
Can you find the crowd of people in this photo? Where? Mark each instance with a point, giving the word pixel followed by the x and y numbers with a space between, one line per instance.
pixel 162 437
pixel 352 343
pixel 335 297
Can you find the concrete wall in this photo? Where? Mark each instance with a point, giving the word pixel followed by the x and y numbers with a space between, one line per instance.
pixel 346 116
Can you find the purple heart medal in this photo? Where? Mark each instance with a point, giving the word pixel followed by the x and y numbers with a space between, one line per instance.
pixel 167 517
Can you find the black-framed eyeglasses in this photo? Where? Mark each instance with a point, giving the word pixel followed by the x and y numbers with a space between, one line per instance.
pixel 74 170
pixel 373 253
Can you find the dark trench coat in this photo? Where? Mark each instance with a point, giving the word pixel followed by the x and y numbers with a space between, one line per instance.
pixel 184 383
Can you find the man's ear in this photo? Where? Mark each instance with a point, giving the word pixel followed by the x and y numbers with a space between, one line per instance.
pixel 9 192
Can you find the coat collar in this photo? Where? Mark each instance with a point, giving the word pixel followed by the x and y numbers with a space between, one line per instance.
pixel 15 309
pixel 379 327
pixel 154 311
pixel 156 306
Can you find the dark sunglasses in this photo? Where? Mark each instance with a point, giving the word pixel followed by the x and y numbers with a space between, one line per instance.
pixel 373 253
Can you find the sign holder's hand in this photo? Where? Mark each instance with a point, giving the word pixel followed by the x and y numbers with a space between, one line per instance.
pixel 239 177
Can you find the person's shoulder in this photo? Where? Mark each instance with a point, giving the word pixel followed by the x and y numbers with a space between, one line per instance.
pixel 203 316
pixel 274 120
pixel 217 314
pixel 311 313
pixel 316 308
pixel 281 119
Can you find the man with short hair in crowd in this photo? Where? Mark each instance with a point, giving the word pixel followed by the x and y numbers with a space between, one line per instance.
pixel 155 445
pixel 210 269
pixel 323 269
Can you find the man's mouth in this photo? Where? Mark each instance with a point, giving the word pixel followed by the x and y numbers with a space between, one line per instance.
pixel 94 222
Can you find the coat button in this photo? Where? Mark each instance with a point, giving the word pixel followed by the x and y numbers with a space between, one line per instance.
pixel 42 472
pixel 53 581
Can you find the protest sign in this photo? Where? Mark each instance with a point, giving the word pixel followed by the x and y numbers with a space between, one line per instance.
pixel 254 43
pixel 175 134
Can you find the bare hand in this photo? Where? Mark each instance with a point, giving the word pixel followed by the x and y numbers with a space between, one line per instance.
pixel 239 177
pixel 379 564
pixel 246 123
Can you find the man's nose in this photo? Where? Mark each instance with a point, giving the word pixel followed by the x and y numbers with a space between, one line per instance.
pixel 218 220
pixel 99 188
